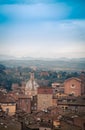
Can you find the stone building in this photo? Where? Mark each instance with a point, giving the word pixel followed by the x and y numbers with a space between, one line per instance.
pixel 31 86
pixel 73 86
pixel 44 98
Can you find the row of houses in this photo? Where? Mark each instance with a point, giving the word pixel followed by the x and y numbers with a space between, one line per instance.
pixel 32 97
pixel 71 86
pixel 43 101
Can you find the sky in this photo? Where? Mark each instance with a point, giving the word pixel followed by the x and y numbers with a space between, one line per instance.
pixel 42 28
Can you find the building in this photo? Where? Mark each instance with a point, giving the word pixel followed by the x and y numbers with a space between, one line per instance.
pixel 24 103
pixel 71 103
pixel 82 77
pixel 44 73
pixel 16 88
pixel 80 122
pixel 54 101
pixel 7 104
pixel 44 98
pixel 57 87
pixel 45 128
pixel 73 86
pixel 53 110
pixel 56 97
pixel 34 103
pixel 31 86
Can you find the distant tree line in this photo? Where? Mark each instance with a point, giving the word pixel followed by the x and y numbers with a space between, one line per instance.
pixel 6 80
pixel 19 74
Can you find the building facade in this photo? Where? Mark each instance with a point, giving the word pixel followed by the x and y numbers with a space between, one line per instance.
pixel 24 103
pixel 73 86
pixel 7 104
pixel 44 98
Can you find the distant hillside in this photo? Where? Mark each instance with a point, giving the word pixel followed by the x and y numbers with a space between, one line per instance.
pixel 53 64
pixel 6 57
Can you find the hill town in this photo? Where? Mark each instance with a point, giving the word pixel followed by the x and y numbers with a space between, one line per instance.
pixel 32 98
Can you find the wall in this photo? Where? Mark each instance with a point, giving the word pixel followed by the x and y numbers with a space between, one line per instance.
pixel 11 108
pixel 44 101
pixel 24 104
pixel 76 89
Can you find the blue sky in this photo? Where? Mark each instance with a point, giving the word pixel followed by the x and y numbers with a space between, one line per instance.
pixel 42 28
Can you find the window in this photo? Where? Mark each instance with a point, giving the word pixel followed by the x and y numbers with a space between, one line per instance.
pixel 72 86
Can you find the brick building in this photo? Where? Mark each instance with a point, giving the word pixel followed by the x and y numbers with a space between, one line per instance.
pixel 73 86
pixel 82 77
pixel 24 103
pixel 34 103
pixel 44 98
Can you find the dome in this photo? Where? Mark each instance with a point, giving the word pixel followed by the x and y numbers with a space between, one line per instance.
pixel 31 86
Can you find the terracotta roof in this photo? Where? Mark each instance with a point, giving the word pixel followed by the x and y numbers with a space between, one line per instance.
pixel 45 90
pixel 73 78
pixel 52 108
pixel 4 98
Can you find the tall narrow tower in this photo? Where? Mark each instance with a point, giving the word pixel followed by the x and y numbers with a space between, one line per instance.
pixel 32 80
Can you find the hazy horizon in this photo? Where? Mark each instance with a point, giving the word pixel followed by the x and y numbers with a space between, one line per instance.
pixel 42 28
pixel 35 58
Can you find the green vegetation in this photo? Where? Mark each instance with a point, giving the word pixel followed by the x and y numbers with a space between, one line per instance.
pixel 6 79
pixel 9 75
